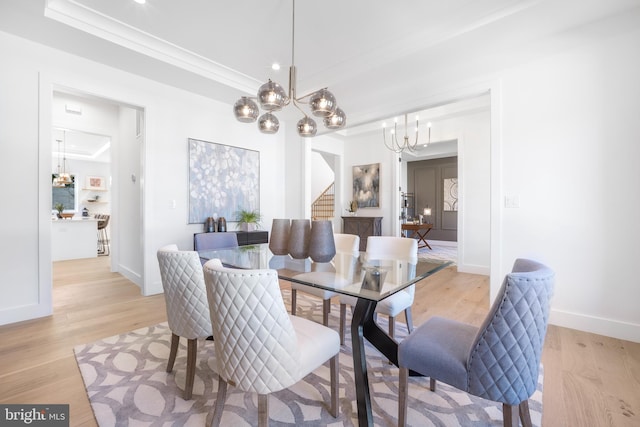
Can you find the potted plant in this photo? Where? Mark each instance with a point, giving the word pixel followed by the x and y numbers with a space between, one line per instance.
pixel 59 207
pixel 353 207
pixel 248 220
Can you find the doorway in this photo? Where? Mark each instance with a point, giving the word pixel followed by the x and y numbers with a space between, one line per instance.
pixel 106 159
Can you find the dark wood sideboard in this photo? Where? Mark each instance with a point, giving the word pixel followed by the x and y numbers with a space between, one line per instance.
pixel 363 227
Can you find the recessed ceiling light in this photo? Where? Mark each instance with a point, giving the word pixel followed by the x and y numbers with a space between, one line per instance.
pixel 140 1
pixel 275 66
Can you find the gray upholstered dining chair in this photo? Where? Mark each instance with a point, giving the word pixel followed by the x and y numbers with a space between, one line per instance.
pixel 260 348
pixel 345 244
pixel 385 248
pixel 498 361
pixel 217 240
pixel 187 306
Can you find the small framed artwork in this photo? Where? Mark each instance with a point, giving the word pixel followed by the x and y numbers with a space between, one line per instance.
pixel 450 195
pixel 95 183
pixel 366 185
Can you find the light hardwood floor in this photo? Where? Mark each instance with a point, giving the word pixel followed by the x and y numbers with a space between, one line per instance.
pixel 589 380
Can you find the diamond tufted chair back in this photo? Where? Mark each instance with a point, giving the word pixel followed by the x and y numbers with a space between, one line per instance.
pixel 510 340
pixel 259 347
pixel 186 303
pixel 254 338
pixel 498 361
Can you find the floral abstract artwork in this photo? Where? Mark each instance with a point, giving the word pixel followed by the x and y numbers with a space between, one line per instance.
pixel 366 185
pixel 222 179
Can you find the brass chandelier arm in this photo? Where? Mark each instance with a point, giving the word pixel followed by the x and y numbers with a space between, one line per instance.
pixel 395 145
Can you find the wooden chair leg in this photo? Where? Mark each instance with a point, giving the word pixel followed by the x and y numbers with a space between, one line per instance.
pixel 392 326
pixel 407 315
pixel 525 415
pixel 263 410
pixel 343 315
pixel 326 309
pixel 192 351
pixel 403 388
pixel 294 297
pixel 220 399
pixel 432 384
pixel 175 341
pixel 333 369
pixel 510 415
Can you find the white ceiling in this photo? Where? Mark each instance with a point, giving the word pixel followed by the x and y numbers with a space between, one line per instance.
pixel 80 145
pixel 372 54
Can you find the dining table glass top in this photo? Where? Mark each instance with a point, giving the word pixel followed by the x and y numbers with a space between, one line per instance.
pixel 347 273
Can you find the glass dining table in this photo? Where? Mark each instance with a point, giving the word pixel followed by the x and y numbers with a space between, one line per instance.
pixel 369 280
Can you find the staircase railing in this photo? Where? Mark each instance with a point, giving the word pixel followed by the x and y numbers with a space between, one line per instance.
pixel 323 206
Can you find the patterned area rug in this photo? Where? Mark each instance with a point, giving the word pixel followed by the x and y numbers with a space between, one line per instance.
pixel 439 252
pixel 127 385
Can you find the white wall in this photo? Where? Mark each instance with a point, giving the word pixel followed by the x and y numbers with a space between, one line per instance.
pixel 570 144
pixel 473 136
pixel 322 175
pixel 172 116
pixel 564 133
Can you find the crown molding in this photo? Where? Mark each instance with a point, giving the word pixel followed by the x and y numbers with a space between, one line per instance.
pixel 83 18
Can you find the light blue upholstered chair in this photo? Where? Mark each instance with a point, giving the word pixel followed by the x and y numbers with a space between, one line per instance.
pixel 498 361
pixel 204 241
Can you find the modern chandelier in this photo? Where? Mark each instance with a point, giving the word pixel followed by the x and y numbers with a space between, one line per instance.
pixel 272 97
pixel 399 147
pixel 62 178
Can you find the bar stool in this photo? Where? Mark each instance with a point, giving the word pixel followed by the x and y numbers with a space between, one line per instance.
pixel 103 237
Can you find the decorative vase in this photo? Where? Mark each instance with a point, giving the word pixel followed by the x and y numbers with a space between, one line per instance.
pixel 279 241
pixel 322 247
pixel 245 226
pixel 299 236
pixel 222 224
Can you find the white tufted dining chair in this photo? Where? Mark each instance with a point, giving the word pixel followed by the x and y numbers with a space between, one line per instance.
pixel 260 348
pixel 187 306
pixel 345 243
pixel 384 248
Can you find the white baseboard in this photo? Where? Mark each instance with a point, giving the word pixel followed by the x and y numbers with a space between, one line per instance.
pixel 596 325
pixel 131 275
pixel 474 269
pixel 25 312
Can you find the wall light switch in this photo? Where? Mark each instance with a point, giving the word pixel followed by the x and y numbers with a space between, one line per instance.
pixel 172 204
pixel 511 202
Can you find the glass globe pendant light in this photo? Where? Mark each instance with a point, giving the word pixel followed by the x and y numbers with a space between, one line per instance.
pixel 272 97
pixel 268 123
pixel 246 110
pixel 307 127
pixel 322 103
pixel 336 121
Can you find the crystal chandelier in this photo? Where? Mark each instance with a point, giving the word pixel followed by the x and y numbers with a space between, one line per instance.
pixel 62 178
pixel 397 146
pixel 272 97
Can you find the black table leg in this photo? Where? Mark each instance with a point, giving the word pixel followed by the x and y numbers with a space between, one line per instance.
pixel 363 326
